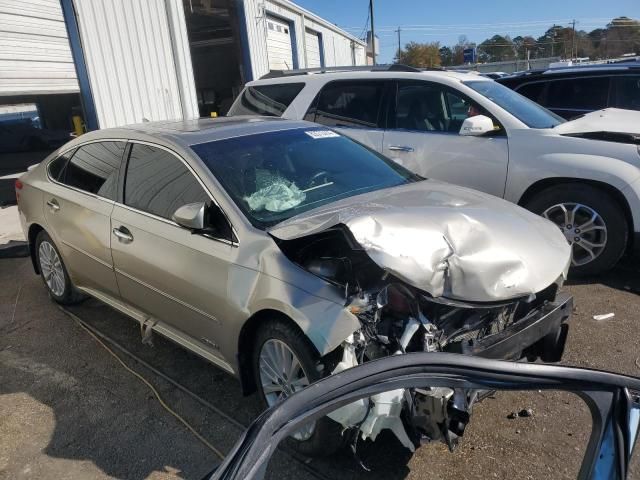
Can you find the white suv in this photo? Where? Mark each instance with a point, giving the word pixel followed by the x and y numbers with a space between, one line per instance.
pixel 465 129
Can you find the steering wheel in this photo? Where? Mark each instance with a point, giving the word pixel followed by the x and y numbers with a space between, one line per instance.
pixel 318 175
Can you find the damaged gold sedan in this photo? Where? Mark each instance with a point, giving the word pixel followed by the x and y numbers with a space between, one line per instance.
pixel 284 252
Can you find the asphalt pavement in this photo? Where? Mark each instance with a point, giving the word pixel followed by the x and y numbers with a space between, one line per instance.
pixel 69 410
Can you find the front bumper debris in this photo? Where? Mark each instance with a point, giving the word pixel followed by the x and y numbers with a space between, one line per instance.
pixel 531 334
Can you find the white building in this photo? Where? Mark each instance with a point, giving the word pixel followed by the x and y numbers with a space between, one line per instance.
pixel 128 61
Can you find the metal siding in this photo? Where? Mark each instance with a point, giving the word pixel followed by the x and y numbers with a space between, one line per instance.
pixel 130 49
pixel 35 57
pixel 336 43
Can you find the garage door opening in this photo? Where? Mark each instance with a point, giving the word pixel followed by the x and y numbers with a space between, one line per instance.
pixel 31 127
pixel 212 27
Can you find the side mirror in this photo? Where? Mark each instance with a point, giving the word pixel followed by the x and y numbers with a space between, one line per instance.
pixel 190 216
pixel 477 125
pixel 204 218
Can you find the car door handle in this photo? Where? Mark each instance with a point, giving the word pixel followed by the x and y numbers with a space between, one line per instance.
pixel 401 148
pixel 123 234
pixel 53 205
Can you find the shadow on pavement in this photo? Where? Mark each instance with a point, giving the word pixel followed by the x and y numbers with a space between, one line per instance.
pixel 624 276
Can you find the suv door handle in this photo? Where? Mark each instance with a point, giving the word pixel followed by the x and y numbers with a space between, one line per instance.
pixel 123 234
pixel 401 148
pixel 53 205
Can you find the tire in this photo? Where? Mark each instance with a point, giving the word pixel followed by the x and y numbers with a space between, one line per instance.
pixel 58 284
pixel 613 238
pixel 327 435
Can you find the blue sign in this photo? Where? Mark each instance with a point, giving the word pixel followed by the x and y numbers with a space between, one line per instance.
pixel 469 55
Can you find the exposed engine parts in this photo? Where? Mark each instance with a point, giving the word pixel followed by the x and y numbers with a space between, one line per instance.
pixel 398 318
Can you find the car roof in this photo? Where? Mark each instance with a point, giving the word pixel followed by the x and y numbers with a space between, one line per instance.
pixel 575 71
pixel 192 132
pixel 324 76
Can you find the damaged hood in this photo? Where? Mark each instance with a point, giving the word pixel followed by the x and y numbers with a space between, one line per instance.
pixel 612 120
pixel 446 240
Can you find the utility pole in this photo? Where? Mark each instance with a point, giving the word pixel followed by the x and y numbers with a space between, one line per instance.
pixel 373 34
pixel 573 39
pixel 399 47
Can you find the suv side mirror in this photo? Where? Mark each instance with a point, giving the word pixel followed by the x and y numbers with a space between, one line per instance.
pixel 477 125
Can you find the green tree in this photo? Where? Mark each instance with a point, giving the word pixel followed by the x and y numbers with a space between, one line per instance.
pixel 497 49
pixel 446 56
pixel 421 55
pixel 621 36
pixel 525 44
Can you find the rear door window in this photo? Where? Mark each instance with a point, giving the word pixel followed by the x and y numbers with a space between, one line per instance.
pixel 94 168
pixel 627 90
pixel 57 165
pixel 159 183
pixel 266 100
pixel 589 93
pixel 350 104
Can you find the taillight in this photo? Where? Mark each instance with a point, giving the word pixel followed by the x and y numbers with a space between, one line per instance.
pixel 19 186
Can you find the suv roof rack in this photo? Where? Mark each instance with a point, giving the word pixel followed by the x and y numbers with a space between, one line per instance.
pixel 395 67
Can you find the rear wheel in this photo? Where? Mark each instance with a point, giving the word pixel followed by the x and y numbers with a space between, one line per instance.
pixel 53 272
pixel 592 222
pixel 284 362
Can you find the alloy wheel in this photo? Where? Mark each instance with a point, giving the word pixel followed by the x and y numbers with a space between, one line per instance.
pixel 584 229
pixel 281 375
pixel 51 268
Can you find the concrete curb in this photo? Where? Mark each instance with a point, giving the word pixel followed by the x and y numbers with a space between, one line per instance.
pixel 14 249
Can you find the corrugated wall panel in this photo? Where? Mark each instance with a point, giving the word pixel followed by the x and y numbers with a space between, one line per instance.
pixel 337 44
pixel 35 56
pixel 130 54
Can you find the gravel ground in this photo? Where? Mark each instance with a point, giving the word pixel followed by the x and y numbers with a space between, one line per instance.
pixel 68 410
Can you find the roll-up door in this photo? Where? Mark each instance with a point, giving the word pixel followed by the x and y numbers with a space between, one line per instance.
pixel 279 46
pixel 313 45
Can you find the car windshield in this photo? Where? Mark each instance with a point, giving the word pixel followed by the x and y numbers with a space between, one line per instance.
pixel 525 110
pixel 276 175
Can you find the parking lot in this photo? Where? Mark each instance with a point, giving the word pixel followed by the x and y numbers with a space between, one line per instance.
pixel 68 409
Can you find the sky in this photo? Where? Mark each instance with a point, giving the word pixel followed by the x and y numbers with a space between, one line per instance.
pixel 430 21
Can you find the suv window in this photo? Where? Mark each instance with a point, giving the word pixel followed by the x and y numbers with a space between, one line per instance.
pixel 94 168
pixel 158 182
pixel 533 91
pixel 268 100
pixel 349 104
pixel 430 107
pixel 589 93
pixel 627 92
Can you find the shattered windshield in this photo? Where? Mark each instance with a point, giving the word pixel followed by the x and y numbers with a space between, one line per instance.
pixel 525 110
pixel 276 175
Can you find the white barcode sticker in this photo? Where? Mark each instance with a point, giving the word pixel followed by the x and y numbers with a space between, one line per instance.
pixel 317 134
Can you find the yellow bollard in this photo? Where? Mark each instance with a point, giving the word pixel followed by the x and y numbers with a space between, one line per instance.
pixel 77 125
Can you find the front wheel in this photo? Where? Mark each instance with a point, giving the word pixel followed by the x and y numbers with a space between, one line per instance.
pixel 590 219
pixel 284 362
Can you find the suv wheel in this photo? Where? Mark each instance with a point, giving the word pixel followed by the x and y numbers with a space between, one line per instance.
pixel 592 222
pixel 53 272
pixel 284 362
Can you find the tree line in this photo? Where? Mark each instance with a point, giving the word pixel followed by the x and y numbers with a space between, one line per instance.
pixel 620 36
